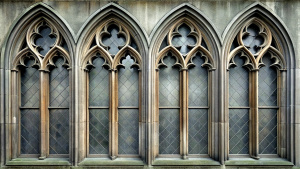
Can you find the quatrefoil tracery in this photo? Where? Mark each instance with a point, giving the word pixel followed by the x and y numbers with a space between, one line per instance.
pixel 254 41
pixel 113 42
pixel 43 42
pixel 184 41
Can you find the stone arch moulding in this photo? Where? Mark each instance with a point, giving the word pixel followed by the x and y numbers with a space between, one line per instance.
pixel 12 46
pixel 280 33
pixel 191 16
pixel 92 32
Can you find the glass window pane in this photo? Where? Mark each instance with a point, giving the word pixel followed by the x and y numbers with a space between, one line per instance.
pixel 169 132
pixel 128 130
pixel 128 84
pixel 198 83
pixel 30 118
pixel 268 131
pixel 114 39
pixel 267 83
pixel 99 84
pixel 198 131
pixel 238 84
pixel 238 131
pixel 99 131
pixel 58 117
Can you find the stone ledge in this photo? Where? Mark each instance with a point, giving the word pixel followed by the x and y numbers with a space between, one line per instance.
pixel 36 161
pixel 260 162
pixel 109 162
pixel 190 161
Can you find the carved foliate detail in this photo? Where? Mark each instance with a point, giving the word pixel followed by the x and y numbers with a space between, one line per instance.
pixel 254 41
pixel 43 42
pixel 111 41
pixel 184 41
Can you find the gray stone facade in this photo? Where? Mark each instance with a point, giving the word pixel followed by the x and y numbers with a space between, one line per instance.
pixel 148 23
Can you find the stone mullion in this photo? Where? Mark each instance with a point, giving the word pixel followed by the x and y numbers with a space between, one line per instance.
pixel 44 96
pixel 113 115
pixel 282 113
pixel 184 110
pixel 15 118
pixel 155 139
pixel 253 117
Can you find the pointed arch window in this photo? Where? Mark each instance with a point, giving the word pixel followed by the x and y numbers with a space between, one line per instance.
pixel 183 76
pixel 40 86
pixel 113 70
pixel 256 70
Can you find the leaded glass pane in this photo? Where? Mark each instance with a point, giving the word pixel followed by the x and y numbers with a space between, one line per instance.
pixel 184 39
pixel 59 131
pixel 238 131
pixel 113 40
pixel 238 84
pixel 30 87
pixel 99 131
pixel 198 84
pixel 30 118
pixel 128 84
pixel 59 116
pixel 198 131
pixel 267 84
pixel 59 85
pixel 169 132
pixel 99 84
pixel 267 131
pixel 169 84
pixel 128 130
pixel 30 131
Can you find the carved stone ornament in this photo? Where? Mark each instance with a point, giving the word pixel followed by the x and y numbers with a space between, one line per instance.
pixel 184 42
pixel 43 42
pixel 111 41
pixel 254 41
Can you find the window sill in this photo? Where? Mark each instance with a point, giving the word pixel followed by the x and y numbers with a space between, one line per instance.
pixel 36 161
pixel 190 161
pixel 108 161
pixel 260 162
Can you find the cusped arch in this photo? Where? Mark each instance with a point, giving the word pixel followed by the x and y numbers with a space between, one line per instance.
pixel 162 54
pixel 26 19
pixel 195 16
pixel 271 20
pixel 108 13
pixel 132 53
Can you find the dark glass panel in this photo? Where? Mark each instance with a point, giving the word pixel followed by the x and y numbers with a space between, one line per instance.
pixel 99 84
pixel 198 131
pixel 30 118
pixel 238 84
pixel 164 44
pixel 169 132
pixel 267 84
pixel 59 131
pixel 128 130
pixel 99 131
pixel 267 131
pixel 169 84
pixel 198 83
pixel 239 131
pixel 128 84
pixel 58 117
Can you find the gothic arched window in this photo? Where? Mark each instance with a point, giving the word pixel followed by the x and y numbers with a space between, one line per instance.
pixel 40 86
pixel 256 71
pixel 183 70
pixel 113 69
